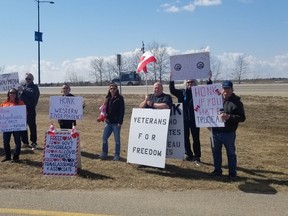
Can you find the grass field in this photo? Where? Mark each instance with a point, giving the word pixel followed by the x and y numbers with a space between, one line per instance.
pixel 261 149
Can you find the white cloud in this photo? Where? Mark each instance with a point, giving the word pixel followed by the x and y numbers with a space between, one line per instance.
pixel 189 7
pixel 246 1
pixel 50 72
pixel 172 9
pixel 175 7
pixel 207 2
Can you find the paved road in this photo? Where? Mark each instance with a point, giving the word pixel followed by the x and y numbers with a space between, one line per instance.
pixel 280 89
pixel 135 202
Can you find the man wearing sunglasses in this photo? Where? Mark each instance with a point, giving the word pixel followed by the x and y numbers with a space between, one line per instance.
pixel 30 96
pixel 185 96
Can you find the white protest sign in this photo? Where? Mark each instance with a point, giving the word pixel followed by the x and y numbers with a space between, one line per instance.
pixel 13 118
pixel 60 154
pixel 190 66
pixel 148 137
pixel 208 101
pixel 175 143
pixel 68 108
pixel 9 81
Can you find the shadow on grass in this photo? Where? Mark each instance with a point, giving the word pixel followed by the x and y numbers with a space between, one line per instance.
pixel 174 171
pixel 89 155
pixel 258 183
pixel 32 163
pixel 81 172
pixel 93 176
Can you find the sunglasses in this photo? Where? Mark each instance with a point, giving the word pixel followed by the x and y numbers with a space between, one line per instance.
pixel 28 79
pixel 190 82
pixel 12 92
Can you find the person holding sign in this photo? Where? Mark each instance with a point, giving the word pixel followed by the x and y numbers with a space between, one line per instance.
pixel 158 100
pixel 29 94
pixel 185 96
pixel 12 100
pixel 66 124
pixel 233 113
pixel 115 110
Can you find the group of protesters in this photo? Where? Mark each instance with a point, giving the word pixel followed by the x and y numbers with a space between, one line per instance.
pixel 113 110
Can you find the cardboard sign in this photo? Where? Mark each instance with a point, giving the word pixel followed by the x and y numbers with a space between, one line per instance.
pixel 13 118
pixel 60 156
pixel 68 108
pixel 208 102
pixel 148 137
pixel 9 81
pixel 175 143
pixel 190 66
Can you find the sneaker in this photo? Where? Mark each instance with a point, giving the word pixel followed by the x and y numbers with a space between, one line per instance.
pixel 15 160
pixel 34 146
pixel 232 178
pixel 188 158
pixel 116 158
pixel 6 159
pixel 103 156
pixel 197 159
pixel 25 145
pixel 216 173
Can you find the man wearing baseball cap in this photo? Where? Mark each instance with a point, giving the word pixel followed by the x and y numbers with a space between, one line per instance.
pixel 233 113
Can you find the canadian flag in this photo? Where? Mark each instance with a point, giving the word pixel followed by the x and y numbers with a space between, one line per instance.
pixel 74 132
pixel 51 130
pixel 145 59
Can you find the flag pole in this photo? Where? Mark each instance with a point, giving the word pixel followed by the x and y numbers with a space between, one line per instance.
pixel 146 83
pixel 143 51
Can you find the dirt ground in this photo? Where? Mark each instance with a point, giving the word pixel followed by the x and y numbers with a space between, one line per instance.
pixel 261 149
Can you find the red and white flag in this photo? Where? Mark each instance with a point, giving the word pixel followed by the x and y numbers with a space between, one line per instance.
pixel 51 130
pixel 145 59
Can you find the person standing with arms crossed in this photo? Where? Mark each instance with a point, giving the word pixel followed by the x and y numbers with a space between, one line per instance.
pixel 233 113
pixel 29 94
pixel 158 100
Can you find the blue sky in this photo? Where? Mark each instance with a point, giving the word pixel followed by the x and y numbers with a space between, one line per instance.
pixel 74 31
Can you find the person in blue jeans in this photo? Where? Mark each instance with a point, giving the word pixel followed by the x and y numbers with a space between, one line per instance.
pixel 115 110
pixel 233 113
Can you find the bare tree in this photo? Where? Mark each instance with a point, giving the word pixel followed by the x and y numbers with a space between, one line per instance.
pixel 2 69
pixel 113 69
pixel 216 65
pixel 160 67
pixel 73 77
pixel 97 65
pixel 241 68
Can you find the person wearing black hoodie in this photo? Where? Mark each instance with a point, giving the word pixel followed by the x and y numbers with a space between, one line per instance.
pixel 185 96
pixel 30 95
pixel 233 113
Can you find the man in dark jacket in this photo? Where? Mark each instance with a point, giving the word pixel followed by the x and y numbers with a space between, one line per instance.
pixel 30 96
pixel 185 96
pixel 232 114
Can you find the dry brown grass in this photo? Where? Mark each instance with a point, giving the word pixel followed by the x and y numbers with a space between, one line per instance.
pixel 261 148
